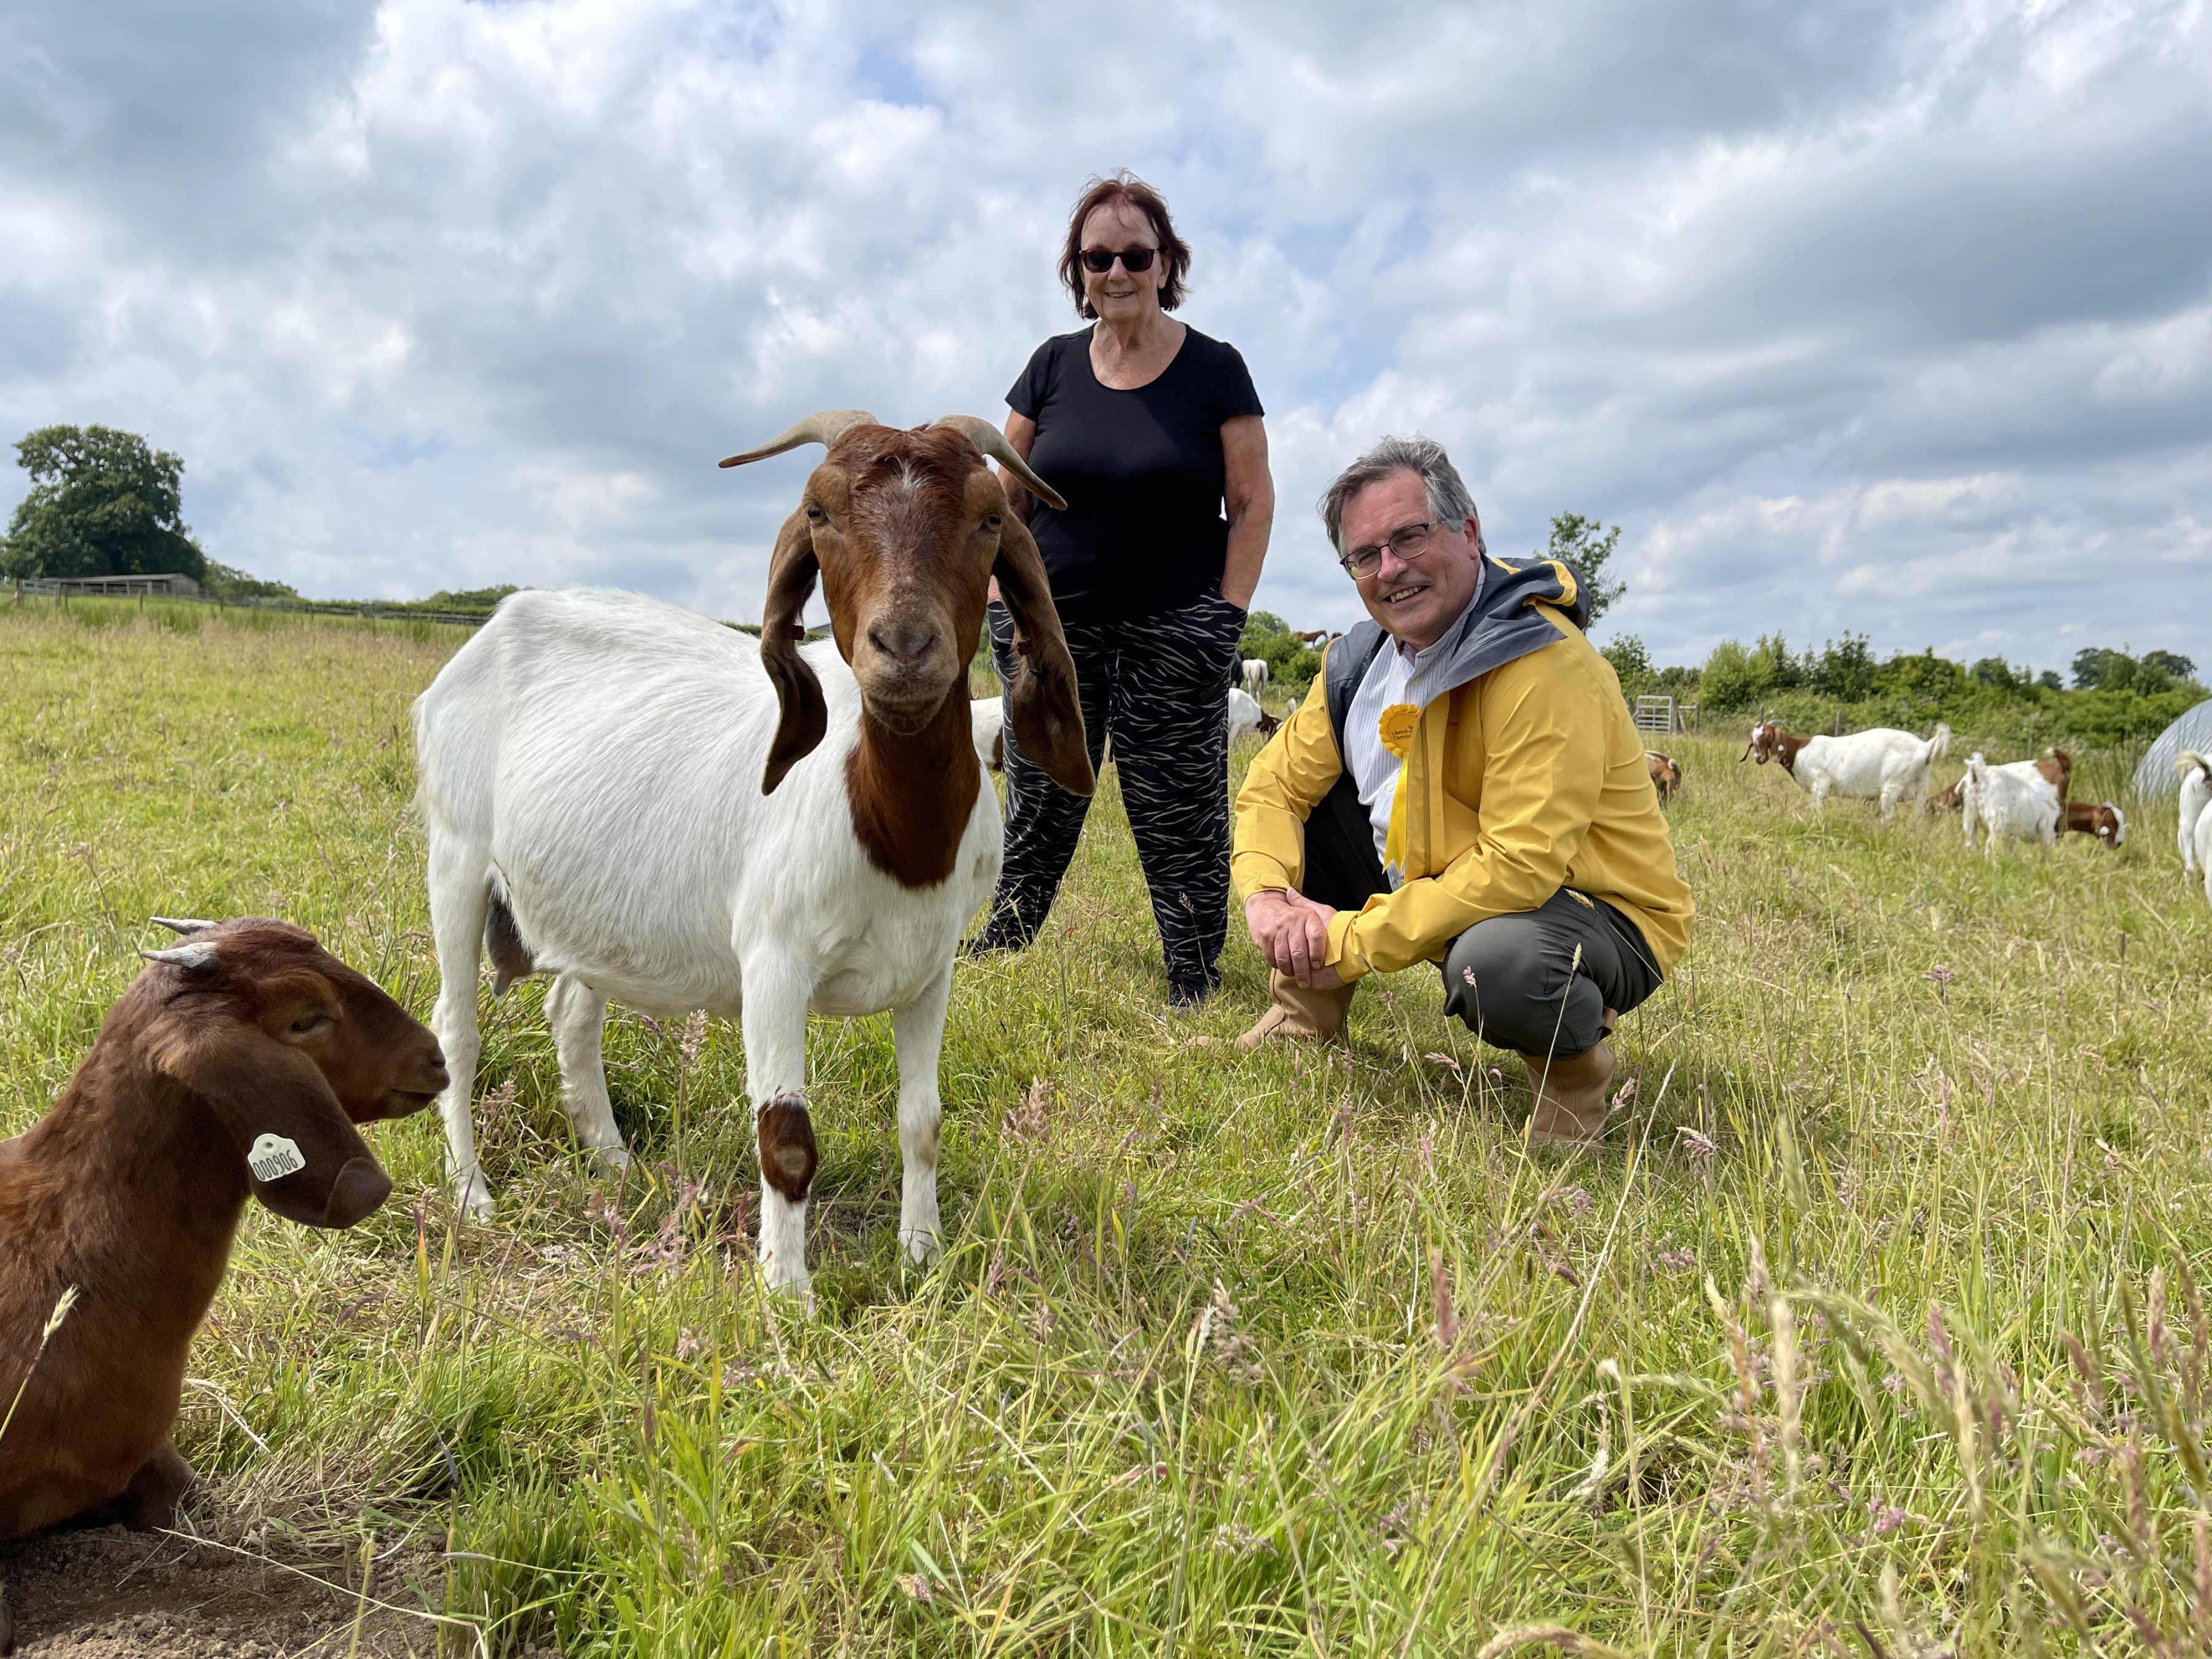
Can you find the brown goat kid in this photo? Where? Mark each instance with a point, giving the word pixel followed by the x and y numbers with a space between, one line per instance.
pixel 1666 775
pixel 235 1067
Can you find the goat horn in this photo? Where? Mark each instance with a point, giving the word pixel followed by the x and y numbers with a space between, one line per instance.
pixel 993 445
pixel 199 956
pixel 180 924
pixel 823 427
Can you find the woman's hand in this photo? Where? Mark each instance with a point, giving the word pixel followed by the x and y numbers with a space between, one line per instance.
pixel 1291 931
pixel 1248 492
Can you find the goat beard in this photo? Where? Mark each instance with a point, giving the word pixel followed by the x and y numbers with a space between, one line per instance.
pixel 904 717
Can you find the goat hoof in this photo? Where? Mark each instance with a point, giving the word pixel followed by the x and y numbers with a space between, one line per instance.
pixel 797 1289
pixel 472 1198
pixel 922 1247
pixel 609 1160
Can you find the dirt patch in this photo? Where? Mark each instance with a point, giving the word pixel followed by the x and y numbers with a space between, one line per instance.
pixel 111 1594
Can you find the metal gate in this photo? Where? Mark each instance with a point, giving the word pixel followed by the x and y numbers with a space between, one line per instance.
pixel 1663 715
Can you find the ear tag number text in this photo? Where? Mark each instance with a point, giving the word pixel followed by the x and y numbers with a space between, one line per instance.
pixel 273 1157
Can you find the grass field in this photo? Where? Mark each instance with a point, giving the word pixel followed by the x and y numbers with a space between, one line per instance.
pixel 1877 1329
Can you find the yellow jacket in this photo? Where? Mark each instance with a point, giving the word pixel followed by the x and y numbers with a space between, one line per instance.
pixel 1528 777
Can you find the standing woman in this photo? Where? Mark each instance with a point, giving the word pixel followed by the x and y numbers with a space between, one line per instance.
pixel 1152 433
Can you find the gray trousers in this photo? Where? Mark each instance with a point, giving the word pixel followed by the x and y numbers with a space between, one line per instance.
pixel 1538 982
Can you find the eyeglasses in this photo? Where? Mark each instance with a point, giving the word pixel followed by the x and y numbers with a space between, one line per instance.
pixel 1100 260
pixel 1409 542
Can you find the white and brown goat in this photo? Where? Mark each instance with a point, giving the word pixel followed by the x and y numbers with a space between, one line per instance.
pixel 655 810
pixel 2010 802
pixel 1247 718
pixel 1666 775
pixel 2054 766
pixel 1880 764
pixel 235 1067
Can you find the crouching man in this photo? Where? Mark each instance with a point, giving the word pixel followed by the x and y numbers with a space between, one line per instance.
pixel 1469 790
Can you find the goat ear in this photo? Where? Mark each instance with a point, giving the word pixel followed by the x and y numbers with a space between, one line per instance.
pixel 802 719
pixel 304 1159
pixel 1043 706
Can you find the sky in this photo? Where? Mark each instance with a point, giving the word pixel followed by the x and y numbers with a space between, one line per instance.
pixel 1853 317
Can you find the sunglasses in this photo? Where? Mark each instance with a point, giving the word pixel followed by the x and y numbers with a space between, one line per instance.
pixel 1134 259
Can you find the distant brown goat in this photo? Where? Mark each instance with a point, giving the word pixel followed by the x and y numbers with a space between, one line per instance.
pixel 234 1068
pixel 1666 776
pixel 2107 822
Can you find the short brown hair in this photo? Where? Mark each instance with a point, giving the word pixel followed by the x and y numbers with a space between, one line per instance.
pixel 1425 457
pixel 1123 185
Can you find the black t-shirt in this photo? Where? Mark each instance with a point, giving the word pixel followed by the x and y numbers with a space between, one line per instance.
pixel 1142 472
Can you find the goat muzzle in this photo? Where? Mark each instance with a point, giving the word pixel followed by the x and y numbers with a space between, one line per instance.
pixel 359 1189
pixel 906 666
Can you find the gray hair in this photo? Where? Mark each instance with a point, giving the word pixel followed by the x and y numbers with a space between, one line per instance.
pixel 1448 500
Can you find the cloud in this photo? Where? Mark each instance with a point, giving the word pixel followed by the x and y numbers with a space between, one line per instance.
pixel 1854 316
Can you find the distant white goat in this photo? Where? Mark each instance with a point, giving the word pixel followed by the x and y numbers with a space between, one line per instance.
pixel 1246 716
pixel 987 725
pixel 1254 676
pixel 2056 764
pixel 2014 803
pixel 1882 763
pixel 2196 795
pixel 657 810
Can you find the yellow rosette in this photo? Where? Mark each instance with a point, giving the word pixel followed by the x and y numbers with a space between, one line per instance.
pixel 1396 728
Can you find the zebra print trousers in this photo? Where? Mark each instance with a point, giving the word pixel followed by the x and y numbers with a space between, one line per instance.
pixel 1158 686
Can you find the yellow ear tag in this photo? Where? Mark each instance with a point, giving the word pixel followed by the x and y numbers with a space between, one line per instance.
pixel 1396 728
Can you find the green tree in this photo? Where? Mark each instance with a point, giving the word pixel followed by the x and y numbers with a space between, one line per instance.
pixel 2099 668
pixel 1587 545
pixel 229 582
pixel 1773 665
pixel 1290 663
pixel 1729 681
pixel 1926 682
pixel 2172 664
pixel 1631 663
pixel 102 503
pixel 1844 670
pixel 469 598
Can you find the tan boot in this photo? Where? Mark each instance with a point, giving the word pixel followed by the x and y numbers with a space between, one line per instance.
pixel 1307 1015
pixel 1571 1104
